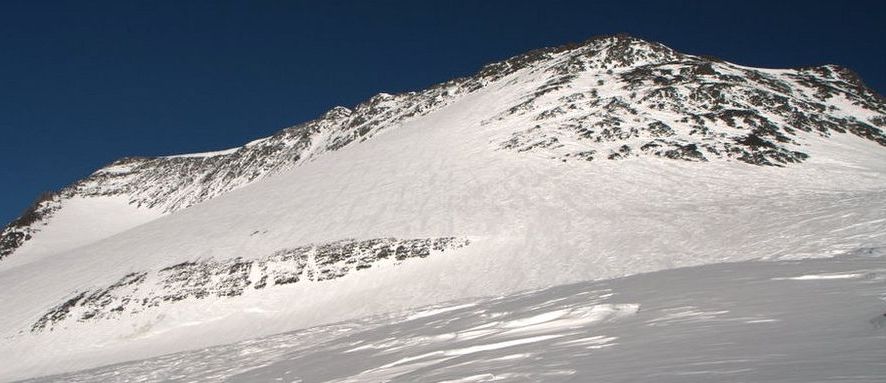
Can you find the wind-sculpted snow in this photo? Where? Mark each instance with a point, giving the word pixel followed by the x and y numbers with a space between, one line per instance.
pixel 755 321
pixel 137 292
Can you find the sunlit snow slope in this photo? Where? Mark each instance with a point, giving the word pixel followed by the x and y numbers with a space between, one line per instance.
pixel 785 321
pixel 569 164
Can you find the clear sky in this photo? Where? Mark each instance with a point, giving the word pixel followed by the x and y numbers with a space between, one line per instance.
pixel 85 82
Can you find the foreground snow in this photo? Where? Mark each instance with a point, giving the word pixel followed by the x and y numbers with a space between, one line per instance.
pixel 786 321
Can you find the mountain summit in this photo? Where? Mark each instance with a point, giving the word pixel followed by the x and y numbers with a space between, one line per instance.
pixel 608 158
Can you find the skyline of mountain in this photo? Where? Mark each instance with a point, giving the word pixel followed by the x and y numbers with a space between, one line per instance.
pixel 86 84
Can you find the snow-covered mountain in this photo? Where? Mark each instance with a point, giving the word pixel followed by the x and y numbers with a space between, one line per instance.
pixel 609 98
pixel 608 158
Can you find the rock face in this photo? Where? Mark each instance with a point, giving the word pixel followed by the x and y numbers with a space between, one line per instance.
pixel 200 279
pixel 641 99
pixel 610 98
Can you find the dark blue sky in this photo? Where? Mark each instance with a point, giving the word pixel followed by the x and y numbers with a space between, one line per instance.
pixel 83 83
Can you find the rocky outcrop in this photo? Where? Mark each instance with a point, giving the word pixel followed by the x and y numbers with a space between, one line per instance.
pixel 200 279
pixel 623 97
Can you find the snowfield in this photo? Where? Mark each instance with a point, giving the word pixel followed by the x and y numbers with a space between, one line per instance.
pixel 586 187
pixel 749 321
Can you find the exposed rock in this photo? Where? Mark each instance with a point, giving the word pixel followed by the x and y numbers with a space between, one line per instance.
pixel 136 292
pixel 650 100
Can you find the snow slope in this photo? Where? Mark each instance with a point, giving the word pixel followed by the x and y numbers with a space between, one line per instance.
pixel 613 97
pixel 459 191
pixel 81 221
pixel 787 321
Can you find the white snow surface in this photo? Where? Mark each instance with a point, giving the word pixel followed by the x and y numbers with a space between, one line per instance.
pixel 726 322
pixel 205 154
pixel 81 221
pixel 532 222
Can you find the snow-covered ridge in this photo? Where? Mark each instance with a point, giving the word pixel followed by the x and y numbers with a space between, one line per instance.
pixel 204 154
pixel 176 182
pixel 612 97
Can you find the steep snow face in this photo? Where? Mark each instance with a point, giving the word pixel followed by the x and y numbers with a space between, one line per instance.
pixel 83 220
pixel 453 170
pixel 813 320
pixel 610 98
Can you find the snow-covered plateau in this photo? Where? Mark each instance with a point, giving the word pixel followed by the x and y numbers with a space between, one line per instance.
pixel 608 211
